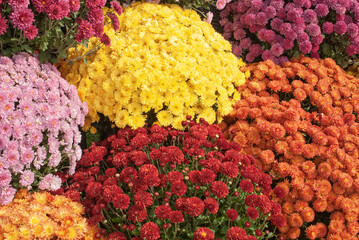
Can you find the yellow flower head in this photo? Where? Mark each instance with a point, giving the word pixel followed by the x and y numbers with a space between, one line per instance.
pixel 163 60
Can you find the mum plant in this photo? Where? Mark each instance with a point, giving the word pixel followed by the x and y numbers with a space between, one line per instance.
pixel 163 64
pixel 157 182
pixel 278 30
pixel 51 27
pixel 300 122
pixel 39 128
pixel 44 216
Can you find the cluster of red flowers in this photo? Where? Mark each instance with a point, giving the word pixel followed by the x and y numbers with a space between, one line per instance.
pixel 155 181
pixel 300 121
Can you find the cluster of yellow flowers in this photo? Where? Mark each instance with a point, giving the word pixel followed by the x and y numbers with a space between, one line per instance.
pixel 353 70
pixel 44 216
pixel 163 60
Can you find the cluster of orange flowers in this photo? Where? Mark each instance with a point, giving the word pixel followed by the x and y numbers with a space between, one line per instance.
pixel 300 121
pixel 44 216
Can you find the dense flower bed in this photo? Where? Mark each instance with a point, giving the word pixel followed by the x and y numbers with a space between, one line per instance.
pixel 160 67
pixel 299 121
pixel 159 182
pixel 278 30
pixel 39 129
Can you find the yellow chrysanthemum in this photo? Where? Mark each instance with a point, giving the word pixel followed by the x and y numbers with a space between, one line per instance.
pixel 163 59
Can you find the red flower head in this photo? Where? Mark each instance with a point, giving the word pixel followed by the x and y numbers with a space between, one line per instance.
pixel 140 140
pixel 219 189
pixel 158 134
pixel 278 220
pixel 206 176
pixel 111 191
pixel 232 214
pixel 137 213
pixel 175 154
pixel 194 206
pixel 264 203
pixel 163 212
pixel 174 176
pixel 253 213
pixel 148 170
pixel 143 198
pixel 120 160
pixel 93 189
pixel 229 169
pixel 203 233
pixel 150 231
pixel 121 201
pixel 176 217
pixel 236 233
pixel 199 132
pixel 180 203
pixel 179 188
pixel 139 158
pixel 246 185
pixel 211 205
pixel 117 236
pixel 194 176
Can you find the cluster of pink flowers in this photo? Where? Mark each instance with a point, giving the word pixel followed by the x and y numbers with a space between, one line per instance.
pixel 160 179
pixel 270 29
pixel 40 115
pixel 24 19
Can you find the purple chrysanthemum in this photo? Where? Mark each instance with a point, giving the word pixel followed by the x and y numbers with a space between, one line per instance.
pixel 276 23
pixel 270 11
pixel 261 19
pixel 321 10
pixel 288 44
pixel 245 43
pixel 327 27
pixel 284 28
pixel 305 47
pixel 299 3
pixel 293 14
pixel 312 29
pixel 310 16
pixel 340 27
pixel 277 4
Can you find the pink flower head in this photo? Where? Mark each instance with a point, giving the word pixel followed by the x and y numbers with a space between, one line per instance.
pixel 3 25
pixel 328 27
pixel 114 20
pixel 74 5
pixel 85 31
pixel 41 5
pixel 27 156
pixel 95 3
pixel 50 182
pixel 7 195
pixel 105 39
pixel 22 18
pixel 277 49
pixel 220 4
pixel 310 16
pixel 31 32
pixel 16 4
pixel 5 178
pixel 313 29
pixel 117 6
pixel 27 178
pixel 57 11
pixel 340 27
pixel 305 47
pixel 352 30
pixel 321 10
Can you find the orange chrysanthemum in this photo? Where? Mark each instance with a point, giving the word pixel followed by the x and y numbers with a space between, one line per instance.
pixel 311 232
pixel 307 214
pixel 295 220
pixel 293 233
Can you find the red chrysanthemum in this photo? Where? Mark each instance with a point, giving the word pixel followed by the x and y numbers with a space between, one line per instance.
pixel 147 169
pixel 180 203
pixel 143 198
pixel 110 191
pixel 137 213
pixel 121 201
pixel 236 233
pixel 278 220
pixel 229 169
pixel 253 213
pixel 140 140
pixel 150 231
pixel 199 131
pixel 57 11
pixel 279 192
pixel 174 176
pixel 232 214
pixel 179 188
pixel 175 154
pixel 163 211
pixel 194 206
pixel 140 158
pixel 176 217
pixel 246 185
pixel 219 189
pixel 194 176
pixel 252 200
pixel 206 176
pixel 85 31
pixel 203 233
pixel 117 236
pixel 211 205
pixel 93 189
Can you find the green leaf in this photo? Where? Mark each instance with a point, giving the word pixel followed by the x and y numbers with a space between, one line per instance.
pixel 43 45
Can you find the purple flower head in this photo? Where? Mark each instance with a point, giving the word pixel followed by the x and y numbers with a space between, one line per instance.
pixel 282 60
pixel 289 6
pixel 261 19
pixel 277 4
pixel 250 57
pixel 268 55
pixel 288 44
pixel 245 43
pixel 299 3
pixel 276 23
pixel 351 50
pixel 116 5
pixel 105 39
pixel 340 27
pixel 331 3
pixel 249 19
pixel 352 30
pixel 293 14
pixel 317 40
pixel 27 178
pixel 255 50
pixel 348 19
pixel 285 28
pixel 344 3
pixel 241 7
pixel 315 48
pixel 321 10
pixel 239 34
pixel 327 27
pixel 313 29
pixel 291 34
pixel 305 47
pixel 269 36
pixel 310 16
pixel 5 178
pixel 277 49
pixel 22 18
pixel 270 11
pixel 314 55
pixel 57 11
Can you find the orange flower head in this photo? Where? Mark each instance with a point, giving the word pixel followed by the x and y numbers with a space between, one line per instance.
pixel 321 230
pixel 336 227
pixel 320 205
pixel 277 131
pixel 288 207
pixel 334 237
pixel 295 220
pixel 338 189
pixel 267 156
pixel 337 216
pixel 307 214
pixel 300 205
pixel 353 228
pixel 291 126
pixel 324 169
pixel 311 232
pixel 293 233
pixel 308 167
pixel 345 180
pixel 351 216
pixel 309 151
pixel 284 169
pixel 281 146
pixel 347 205
pixel 306 193
pixel 322 187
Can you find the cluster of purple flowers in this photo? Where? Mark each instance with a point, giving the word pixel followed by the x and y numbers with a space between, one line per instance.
pixel 269 28
pixel 23 18
pixel 40 115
